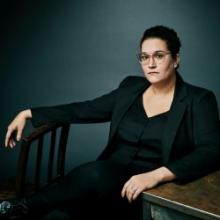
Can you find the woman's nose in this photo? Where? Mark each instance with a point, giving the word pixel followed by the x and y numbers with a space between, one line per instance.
pixel 152 63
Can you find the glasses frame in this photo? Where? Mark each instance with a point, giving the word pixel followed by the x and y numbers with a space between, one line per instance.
pixel 145 62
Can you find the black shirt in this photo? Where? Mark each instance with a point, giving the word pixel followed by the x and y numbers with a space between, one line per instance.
pixel 139 137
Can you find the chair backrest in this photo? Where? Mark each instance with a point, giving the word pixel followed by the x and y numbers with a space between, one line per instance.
pixel 36 139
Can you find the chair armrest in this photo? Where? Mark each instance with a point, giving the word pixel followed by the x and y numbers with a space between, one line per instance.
pixel 41 131
pixel 58 163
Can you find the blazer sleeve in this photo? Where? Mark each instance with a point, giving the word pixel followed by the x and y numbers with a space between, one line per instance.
pixel 90 111
pixel 206 154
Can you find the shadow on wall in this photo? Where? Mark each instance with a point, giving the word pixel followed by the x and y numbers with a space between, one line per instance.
pixel 56 52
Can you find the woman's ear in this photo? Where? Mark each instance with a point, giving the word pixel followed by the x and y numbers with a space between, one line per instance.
pixel 177 61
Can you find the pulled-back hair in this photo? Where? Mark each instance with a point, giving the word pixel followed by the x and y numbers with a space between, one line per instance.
pixel 164 33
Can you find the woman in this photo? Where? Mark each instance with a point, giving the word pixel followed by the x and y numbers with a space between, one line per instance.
pixel 162 129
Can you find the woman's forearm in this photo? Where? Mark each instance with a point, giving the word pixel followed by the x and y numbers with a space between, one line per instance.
pixel 165 174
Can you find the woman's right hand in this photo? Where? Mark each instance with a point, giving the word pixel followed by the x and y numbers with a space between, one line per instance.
pixel 17 126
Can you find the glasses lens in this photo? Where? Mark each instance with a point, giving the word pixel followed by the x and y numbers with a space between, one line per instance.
pixel 143 57
pixel 157 57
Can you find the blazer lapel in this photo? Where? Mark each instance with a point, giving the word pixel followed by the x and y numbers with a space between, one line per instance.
pixel 123 106
pixel 125 100
pixel 174 118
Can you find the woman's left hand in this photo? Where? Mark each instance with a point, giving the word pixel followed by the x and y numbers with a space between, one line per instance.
pixel 138 183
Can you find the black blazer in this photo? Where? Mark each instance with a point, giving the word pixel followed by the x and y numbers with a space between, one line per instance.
pixel 191 141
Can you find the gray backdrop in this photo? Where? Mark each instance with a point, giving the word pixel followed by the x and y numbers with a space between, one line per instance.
pixel 60 51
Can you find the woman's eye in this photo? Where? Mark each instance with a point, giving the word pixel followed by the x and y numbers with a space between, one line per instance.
pixel 159 56
pixel 144 57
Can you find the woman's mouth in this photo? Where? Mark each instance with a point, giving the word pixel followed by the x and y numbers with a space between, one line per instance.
pixel 153 73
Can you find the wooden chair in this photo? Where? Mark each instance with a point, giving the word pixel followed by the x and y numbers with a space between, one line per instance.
pixel 21 186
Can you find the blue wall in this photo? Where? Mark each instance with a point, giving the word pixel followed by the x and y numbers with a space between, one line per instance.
pixel 60 51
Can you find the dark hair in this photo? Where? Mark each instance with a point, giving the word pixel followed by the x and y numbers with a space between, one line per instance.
pixel 166 34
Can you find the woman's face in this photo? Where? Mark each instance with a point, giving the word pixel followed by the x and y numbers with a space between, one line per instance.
pixel 156 61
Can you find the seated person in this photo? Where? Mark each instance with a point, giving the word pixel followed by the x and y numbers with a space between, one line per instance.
pixel 162 129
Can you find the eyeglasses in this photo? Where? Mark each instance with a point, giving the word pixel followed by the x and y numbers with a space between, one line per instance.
pixel 158 57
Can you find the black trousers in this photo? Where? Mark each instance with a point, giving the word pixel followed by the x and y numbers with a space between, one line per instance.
pixel 92 190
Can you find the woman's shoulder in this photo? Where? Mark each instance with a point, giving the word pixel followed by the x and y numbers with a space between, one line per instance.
pixel 198 92
pixel 132 80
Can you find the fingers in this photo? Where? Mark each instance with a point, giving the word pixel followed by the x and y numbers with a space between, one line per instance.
pixel 9 140
pixel 19 133
pixel 131 191
pixel 10 136
pixel 132 194
pixel 123 192
pixel 16 126
pixel 136 194
pixel 12 143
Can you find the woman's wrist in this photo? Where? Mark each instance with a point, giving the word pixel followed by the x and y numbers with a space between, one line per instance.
pixel 27 113
pixel 164 174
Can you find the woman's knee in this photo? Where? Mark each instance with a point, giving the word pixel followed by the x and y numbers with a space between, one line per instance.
pixel 96 176
pixel 88 175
